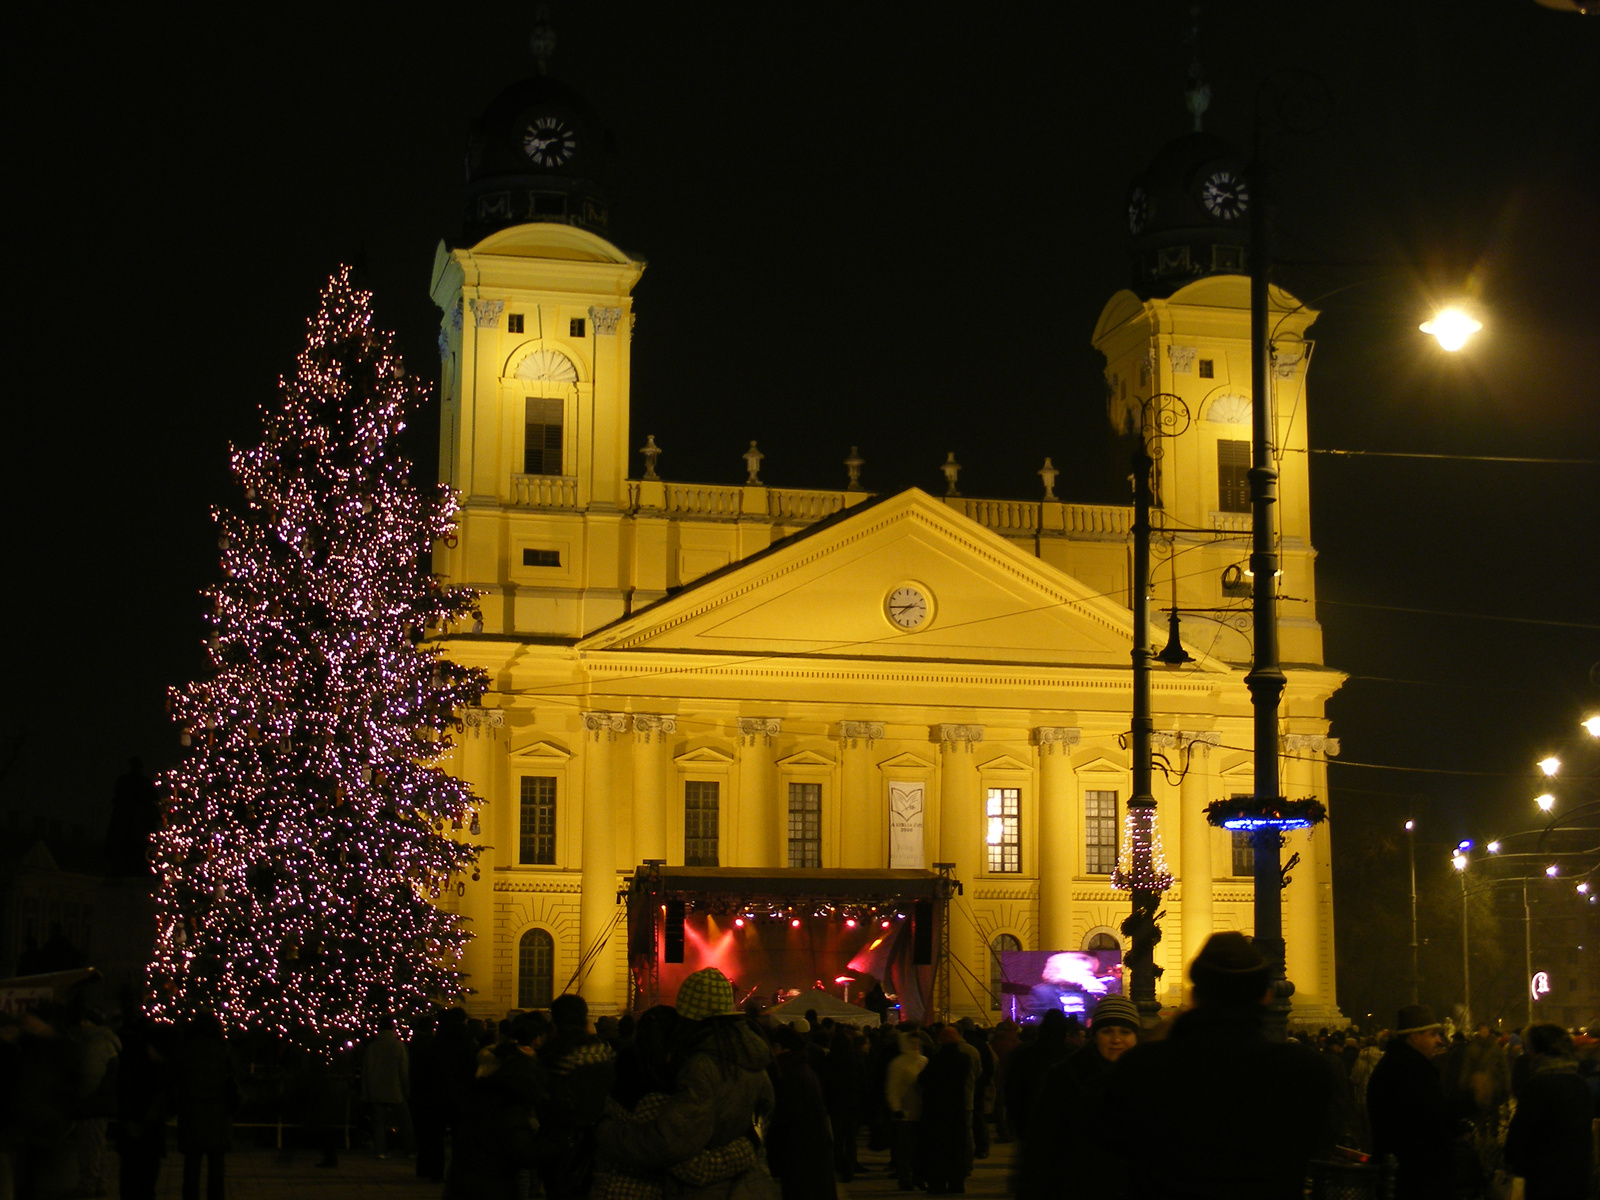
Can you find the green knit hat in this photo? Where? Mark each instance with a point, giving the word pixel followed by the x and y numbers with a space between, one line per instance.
pixel 706 993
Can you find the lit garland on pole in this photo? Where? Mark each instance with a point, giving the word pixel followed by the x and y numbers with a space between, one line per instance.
pixel 1142 865
pixel 304 840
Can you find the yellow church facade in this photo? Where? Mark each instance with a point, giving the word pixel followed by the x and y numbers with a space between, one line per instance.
pixel 761 679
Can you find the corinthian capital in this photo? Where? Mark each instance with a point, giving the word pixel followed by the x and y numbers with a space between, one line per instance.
pixel 607 723
pixel 1051 737
pixel 759 727
pixel 853 731
pixel 955 736
pixel 652 725
pixel 1310 743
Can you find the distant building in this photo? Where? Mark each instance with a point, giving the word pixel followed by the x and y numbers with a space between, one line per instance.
pixel 812 697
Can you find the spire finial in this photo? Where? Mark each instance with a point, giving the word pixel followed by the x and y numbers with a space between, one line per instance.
pixel 542 41
pixel 1197 96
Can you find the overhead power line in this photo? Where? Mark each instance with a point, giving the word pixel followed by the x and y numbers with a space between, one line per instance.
pixel 1503 458
pixel 1434 612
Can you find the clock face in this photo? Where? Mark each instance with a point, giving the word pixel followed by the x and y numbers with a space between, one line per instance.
pixel 907 607
pixel 549 141
pixel 1225 195
pixel 1138 210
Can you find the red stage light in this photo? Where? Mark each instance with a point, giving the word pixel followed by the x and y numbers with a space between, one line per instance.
pixel 886 924
pixel 739 921
pixel 795 924
pixel 849 922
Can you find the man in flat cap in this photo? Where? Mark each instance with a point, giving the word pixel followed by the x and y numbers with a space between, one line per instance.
pixel 1410 1117
pixel 1238 1116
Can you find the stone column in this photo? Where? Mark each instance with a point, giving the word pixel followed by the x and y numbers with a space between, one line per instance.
pixel 1058 828
pixel 761 833
pixel 597 902
pixel 1303 949
pixel 480 747
pixel 649 771
pixel 861 816
pixel 1195 875
pixel 961 842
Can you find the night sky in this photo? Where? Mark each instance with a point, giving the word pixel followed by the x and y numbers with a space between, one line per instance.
pixel 892 230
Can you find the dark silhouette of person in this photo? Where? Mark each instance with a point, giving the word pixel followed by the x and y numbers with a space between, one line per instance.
pixel 135 815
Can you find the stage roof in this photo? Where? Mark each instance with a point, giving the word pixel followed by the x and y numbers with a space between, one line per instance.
pixel 839 885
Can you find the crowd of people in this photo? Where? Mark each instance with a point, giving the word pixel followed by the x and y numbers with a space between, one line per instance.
pixel 704 1101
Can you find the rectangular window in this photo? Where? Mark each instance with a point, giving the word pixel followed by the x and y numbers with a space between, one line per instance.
pixel 538 820
pixel 805 825
pixel 1233 475
pixel 1244 853
pixel 541 558
pixel 700 823
pixel 1100 832
pixel 1208 368
pixel 578 328
pixel 513 322
pixel 1004 834
pixel 541 451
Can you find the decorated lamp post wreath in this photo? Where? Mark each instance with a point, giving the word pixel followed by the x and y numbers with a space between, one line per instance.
pixel 306 832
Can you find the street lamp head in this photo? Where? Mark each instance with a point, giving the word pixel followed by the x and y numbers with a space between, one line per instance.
pixel 1545 802
pixel 1550 766
pixel 1460 861
pixel 1464 844
pixel 1410 825
pixel 1592 724
pixel 1552 870
pixel 1583 889
pixel 1493 847
pixel 1452 328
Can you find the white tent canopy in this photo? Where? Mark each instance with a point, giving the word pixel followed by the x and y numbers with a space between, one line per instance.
pixel 827 1005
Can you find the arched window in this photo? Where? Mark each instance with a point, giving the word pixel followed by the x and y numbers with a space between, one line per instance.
pixel 1101 941
pixel 536 969
pixel 1002 944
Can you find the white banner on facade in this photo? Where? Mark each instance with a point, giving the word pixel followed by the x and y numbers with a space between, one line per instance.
pixel 905 826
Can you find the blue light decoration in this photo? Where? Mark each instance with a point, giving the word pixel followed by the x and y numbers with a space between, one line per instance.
pixel 1245 812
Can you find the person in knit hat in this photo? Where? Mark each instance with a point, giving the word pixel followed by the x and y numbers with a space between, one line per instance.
pixel 722 1088
pixel 1061 1142
pixel 1255 1112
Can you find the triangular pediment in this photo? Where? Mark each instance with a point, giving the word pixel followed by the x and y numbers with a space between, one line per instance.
pixel 704 756
pixel 1004 762
pixel 806 758
pixel 826 593
pixel 548 751
pixel 1100 765
pixel 906 762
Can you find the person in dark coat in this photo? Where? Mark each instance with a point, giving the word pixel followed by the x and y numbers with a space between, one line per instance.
pixel 799 1139
pixel 842 1072
pixel 1028 1064
pixel 207 1096
pixel 142 1101
pixel 1550 1142
pixel 1406 1104
pixel 1068 1149
pixel 1253 1112
pixel 944 1135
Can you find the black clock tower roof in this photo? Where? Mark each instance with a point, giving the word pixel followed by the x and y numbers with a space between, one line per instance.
pixel 1177 237
pixel 507 185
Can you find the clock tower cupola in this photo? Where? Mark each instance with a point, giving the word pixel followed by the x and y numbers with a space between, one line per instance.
pixel 538 154
pixel 1189 215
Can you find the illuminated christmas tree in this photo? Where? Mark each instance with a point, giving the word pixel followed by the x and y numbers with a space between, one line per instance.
pixel 306 833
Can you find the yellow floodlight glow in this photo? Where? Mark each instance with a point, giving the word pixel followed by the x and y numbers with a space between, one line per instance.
pixel 1592 724
pixel 1545 802
pixel 1460 861
pixel 1452 328
pixel 1550 766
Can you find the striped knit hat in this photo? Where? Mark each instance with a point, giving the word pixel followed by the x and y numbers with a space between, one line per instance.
pixel 1114 1010
pixel 706 993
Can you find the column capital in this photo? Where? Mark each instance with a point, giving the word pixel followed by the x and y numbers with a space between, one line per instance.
pixel 1179 739
pixel 1311 743
pixel 608 723
pixel 852 731
pixel 1049 737
pixel 762 727
pixel 953 736
pixel 480 719
pixel 648 724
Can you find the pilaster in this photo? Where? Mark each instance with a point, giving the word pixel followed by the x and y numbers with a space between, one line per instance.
pixel 761 834
pixel 1058 828
pixel 860 808
pixel 650 752
pixel 597 903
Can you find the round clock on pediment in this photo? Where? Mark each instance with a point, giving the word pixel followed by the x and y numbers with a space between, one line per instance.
pixel 549 139
pixel 908 606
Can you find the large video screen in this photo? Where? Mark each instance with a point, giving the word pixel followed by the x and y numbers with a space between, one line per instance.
pixel 1035 981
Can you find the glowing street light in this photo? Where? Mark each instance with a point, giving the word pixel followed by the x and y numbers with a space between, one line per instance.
pixel 1592 724
pixel 1545 802
pixel 1583 889
pixel 1552 870
pixel 1493 847
pixel 1452 328
pixel 1410 825
pixel 1460 860
pixel 1550 766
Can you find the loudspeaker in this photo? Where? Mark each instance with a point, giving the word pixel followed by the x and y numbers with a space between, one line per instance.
pixel 673 938
pixel 922 933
